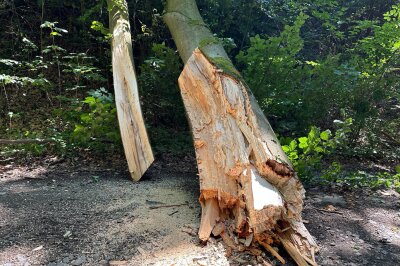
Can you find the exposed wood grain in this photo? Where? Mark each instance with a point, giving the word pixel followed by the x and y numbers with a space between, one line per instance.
pixel 133 131
pixel 244 177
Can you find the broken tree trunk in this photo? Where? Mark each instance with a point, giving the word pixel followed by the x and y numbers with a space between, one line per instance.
pixel 133 131
pixel 248 189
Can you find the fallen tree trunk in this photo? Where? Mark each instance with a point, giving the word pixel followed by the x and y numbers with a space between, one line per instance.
pixel 249 190
pixel 133 131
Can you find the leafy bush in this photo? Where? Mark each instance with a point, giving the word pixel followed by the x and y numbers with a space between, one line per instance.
pixel 297 90
pixel 335 174
pixel 306 153
pixel 272 71
pixel 98 125
pixel 163 108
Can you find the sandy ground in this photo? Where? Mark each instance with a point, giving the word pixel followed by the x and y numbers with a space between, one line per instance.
pixel 68 215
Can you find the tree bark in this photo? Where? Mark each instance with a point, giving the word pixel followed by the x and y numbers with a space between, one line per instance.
pixel 133 131
pixel 243 170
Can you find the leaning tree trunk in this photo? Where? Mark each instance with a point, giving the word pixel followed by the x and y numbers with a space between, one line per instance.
pixel 248 189
pixel 133 131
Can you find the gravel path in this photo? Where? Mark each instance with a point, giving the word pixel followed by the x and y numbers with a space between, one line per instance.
pixel 62 215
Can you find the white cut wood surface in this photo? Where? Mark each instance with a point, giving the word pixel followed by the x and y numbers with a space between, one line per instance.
pixel 136 144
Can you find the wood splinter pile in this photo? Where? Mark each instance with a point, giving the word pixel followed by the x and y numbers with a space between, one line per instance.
pixel 248 191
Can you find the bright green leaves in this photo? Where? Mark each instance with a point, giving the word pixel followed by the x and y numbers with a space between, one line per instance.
pixel 97 122
pixel 306 152
pixel 325 135
pixel 384 43
pixel 303 143
pixel 393 14
pixel 99 27
pixel 90 100
pixel 291 150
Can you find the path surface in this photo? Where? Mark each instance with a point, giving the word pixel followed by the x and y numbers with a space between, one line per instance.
pixel 62 215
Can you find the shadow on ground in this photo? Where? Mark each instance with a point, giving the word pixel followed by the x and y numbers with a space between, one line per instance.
pixel 63 216
pixel 92 216
pixel 365 230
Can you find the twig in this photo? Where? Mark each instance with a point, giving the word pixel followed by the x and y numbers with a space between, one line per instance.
pixel 167 206
pixel 323 210
pixel 24 141
pixel 172 213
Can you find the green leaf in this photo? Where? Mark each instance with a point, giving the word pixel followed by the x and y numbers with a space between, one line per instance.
pixel 303 140
pixel 293 145
pixel 303 145
pixel 90 100
pixel 324 135
pixel 285 148
pixel 79 128
pixel 85 117
pixel 313 132
pixel 397 168
pixel 293 155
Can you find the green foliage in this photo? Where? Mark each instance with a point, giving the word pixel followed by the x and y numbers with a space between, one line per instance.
pixel 268 64
pixel 162 105
pixel 335 174
pixel 99 27
pixel 297 91
pixel 54 30
pixel 306 153
pixel 309 63
pixel 80 66
pixel 165 140
pixel 97 128
pixel 382 48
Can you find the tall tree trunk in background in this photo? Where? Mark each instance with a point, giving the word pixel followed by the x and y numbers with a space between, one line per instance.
pixel 248 189
pixel 133 132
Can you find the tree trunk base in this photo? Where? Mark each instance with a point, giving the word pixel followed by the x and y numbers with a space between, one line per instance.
pixel 249 192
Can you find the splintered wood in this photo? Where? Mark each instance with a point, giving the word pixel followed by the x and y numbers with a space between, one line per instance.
pixel 248 189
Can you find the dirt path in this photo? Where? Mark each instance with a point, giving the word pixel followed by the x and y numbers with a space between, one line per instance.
pixel 66 216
